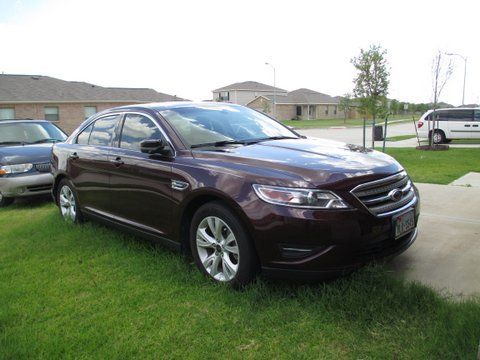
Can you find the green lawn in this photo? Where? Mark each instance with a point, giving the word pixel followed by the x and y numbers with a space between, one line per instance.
pixel 438 167
pixel 319 123
pixel 400 137
pixel 86 291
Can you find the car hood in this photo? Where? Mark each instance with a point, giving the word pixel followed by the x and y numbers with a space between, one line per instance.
pixel 316 161
pixel 21 154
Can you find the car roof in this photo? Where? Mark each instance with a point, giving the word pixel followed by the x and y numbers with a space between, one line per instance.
pixel 459 108
pixel 170 105
pixel 8 121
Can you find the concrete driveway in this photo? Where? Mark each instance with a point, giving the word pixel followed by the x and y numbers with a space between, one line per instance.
pixel 446 254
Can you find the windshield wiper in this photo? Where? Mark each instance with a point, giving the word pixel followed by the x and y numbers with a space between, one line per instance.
pixel 45 140
pixel 220 143
pixel 276 138
pixel 12 143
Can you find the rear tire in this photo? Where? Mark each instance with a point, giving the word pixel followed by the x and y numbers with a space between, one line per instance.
pixel 5 201
pixel 438 137
pixel 68 202
pixel 221 247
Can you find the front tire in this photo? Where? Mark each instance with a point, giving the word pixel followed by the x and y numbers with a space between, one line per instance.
pixel 68 202
pixel 5 201
pixel 221 247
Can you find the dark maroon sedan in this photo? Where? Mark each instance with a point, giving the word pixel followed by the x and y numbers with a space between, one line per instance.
pixel 239 191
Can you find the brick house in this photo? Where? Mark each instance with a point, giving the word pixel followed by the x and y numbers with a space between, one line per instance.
pixel 244 92
pixel 301 104
pixel 66 103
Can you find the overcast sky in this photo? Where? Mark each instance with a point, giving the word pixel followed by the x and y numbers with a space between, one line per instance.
pixel 188 48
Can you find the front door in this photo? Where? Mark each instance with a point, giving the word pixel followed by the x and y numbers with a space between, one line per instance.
pixel 141 183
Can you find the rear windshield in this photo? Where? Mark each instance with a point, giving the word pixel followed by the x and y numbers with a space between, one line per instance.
pixel 29 133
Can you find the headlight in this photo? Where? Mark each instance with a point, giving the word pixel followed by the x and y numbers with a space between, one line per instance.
pixel 15 169
pixel 302 198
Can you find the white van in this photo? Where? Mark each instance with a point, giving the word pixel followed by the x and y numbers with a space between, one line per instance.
pixel 458 123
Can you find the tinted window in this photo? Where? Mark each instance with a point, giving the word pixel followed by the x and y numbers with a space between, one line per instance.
pixel 137 128
pixel 103 131
pixel 477 115
pixel 84 135
pixel 456 115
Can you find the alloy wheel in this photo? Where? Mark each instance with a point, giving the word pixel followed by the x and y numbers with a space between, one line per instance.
pixel 68 206
pixel 217 248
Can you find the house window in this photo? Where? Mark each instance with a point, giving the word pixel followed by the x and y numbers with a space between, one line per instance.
pixel 326 109
pixel 335 110
pixel 51 113
pixel 224 96
pixel 89 111
pixel 311 110
pixel 7 113
pixel 299 111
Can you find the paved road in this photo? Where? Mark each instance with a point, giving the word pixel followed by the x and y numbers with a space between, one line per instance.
pixel 446 254
pixel 354 135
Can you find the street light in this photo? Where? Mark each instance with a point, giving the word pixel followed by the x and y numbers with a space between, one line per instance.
pixel 464 58
pixel 274 91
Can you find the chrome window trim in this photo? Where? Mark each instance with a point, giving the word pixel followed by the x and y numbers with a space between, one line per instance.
pixel 122 115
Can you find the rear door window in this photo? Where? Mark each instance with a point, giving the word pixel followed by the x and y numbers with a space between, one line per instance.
pixel 103 131
pixel 137 128
pixel 84 136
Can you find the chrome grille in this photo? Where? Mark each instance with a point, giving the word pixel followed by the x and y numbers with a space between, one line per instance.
pixel 386 196
pixel 45 167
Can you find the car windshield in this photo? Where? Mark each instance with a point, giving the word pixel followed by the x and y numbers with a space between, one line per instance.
pixel 29 133
pixel 219 125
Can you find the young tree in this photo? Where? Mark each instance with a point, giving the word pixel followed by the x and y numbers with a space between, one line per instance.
pixel 345 105
pixel 441 72
pixel 372 80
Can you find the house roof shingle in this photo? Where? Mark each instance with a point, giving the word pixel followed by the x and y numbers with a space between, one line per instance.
pixel 306 96
pixel 36 88
pixel 249 85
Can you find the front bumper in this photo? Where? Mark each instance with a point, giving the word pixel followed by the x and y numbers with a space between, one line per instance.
pixel 26 185
pixel 304 243
pixel 387 252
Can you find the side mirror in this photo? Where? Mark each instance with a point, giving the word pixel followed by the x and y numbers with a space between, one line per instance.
pixel 155 146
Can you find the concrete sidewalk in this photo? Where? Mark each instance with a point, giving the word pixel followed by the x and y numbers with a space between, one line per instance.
pixel 446 254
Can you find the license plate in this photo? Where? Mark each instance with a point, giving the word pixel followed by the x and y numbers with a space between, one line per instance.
pixel 404 223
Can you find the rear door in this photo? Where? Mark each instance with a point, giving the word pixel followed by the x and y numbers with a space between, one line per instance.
pixel 459 123
pixel 88 162
pixel 476 125
pixel 140 182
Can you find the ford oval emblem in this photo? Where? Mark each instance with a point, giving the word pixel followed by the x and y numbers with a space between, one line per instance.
pixel 395 194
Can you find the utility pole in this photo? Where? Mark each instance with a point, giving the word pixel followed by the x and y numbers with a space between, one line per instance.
pixel 464 58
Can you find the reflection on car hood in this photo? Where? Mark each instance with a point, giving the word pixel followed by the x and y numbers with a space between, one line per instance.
pixel 21 154
pixel 317 161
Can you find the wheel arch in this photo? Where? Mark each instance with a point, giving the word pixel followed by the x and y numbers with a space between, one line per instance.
pixel 59 177
pixel 200 198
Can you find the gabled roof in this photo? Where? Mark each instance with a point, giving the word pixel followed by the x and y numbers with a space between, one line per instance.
pixel 307 97
pixel 249 85
pixel 37 88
